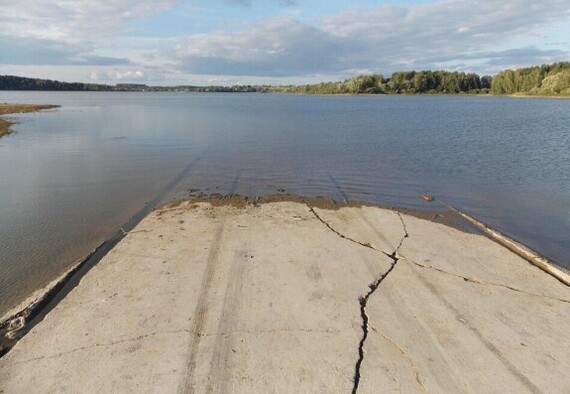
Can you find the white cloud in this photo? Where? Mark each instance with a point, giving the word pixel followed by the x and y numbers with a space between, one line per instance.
pixel 382 38
pixel 248 3
pixel 123 75
pixel 73 21
pixel 70 32
pixel 92 38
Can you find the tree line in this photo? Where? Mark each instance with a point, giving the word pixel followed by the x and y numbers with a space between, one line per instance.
pixel 404 82
pixel 548 80
pixel 11 82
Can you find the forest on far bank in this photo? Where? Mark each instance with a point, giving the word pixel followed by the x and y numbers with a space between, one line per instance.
pixel 545 80
pixel 403 82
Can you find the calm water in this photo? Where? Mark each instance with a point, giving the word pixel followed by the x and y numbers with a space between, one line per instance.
pixel 71 177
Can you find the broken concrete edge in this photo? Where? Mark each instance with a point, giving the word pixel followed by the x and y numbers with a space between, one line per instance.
pixel 23 308
pixel 16 318
pixel 519 249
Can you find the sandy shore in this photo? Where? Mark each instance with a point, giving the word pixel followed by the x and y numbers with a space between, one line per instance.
pixel 9 108
pixel 298 296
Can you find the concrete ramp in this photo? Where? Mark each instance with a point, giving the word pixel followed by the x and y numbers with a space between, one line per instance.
pixel 287 297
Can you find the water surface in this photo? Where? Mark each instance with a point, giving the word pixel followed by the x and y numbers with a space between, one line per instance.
pixel 70 177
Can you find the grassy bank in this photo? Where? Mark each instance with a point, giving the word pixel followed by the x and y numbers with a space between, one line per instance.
pixel 8 108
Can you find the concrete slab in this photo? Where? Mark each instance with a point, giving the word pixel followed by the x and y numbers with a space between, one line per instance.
pixel 282 297
pixel 220 297
pixel 382 229
pixel 463 337
pixel 474 258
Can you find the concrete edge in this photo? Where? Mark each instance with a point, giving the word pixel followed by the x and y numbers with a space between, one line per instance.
pixel 519 249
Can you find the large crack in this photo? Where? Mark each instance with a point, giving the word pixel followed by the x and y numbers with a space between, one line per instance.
pixel 365 321
pixel 363 300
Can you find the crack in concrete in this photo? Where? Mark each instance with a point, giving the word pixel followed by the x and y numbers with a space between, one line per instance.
pixel 182 330
pixel 405 355
pixel 365 321
pixel 366 245
pixel 490 346
pixel 96 345
pixel 269 331
pixel 483 282
pixel 406 234
pixel 363 300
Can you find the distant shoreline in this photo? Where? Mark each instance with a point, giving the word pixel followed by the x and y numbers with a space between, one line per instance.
pixel 7 108
pixel 547 80
pixel 438 94
pixel 538 96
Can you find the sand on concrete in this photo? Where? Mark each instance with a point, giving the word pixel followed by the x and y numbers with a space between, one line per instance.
pixel 290 297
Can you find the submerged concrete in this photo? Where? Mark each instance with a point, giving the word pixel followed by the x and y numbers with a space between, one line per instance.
pixel 287 297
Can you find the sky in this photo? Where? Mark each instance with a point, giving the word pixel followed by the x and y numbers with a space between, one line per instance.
pixel 226 42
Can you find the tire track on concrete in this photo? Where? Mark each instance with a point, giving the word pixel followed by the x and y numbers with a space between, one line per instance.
pixel 201 311
pixel 220 375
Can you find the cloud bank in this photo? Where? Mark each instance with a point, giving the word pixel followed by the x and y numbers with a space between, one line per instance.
pixel 96 37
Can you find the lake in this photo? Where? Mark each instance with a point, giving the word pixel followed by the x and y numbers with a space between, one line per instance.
pixel 70 177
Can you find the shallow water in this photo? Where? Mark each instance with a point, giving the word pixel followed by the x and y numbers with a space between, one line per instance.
pixel 70 177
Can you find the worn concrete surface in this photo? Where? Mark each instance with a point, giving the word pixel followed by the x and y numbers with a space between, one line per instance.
pixel 282 297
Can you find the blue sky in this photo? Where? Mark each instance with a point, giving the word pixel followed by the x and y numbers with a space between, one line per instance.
pixel 169 42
